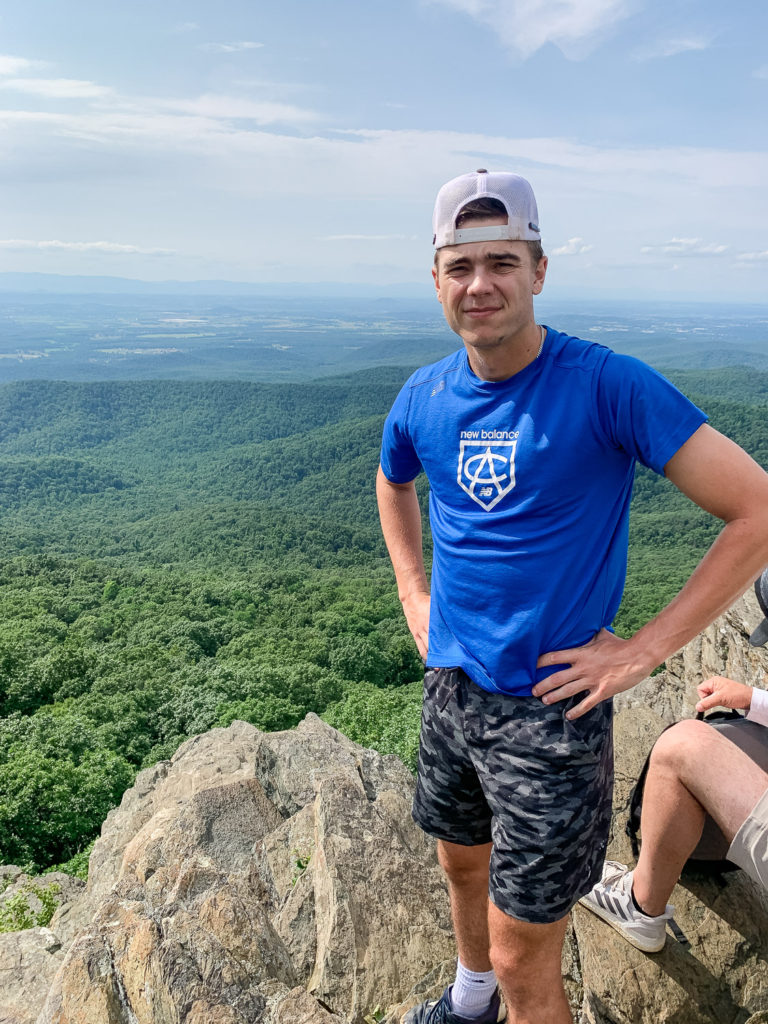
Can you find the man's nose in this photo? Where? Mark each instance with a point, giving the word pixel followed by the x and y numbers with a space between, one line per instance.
pixel 480 282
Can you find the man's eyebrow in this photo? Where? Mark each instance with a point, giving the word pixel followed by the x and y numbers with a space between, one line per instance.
pixel 505 255
pixel 456 261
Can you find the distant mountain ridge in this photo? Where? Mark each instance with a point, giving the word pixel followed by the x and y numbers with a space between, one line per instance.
pixel 116 329
pixel 81 284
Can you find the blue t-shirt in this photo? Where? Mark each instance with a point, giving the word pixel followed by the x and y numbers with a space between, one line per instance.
pixel 530 481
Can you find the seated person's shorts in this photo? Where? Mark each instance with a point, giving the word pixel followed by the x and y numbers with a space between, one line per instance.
pixel 749 848
pixel 515 772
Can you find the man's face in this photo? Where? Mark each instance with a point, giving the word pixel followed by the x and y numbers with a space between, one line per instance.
pixel 486 288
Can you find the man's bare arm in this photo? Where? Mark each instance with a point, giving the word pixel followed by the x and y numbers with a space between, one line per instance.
pixel 723 480
pixel 401 525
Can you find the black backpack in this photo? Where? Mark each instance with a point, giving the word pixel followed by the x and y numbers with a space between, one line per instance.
pixel 709 855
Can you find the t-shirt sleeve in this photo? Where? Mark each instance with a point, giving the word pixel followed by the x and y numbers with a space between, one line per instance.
pixel 640 412
pixel 399 461
pixel 758 709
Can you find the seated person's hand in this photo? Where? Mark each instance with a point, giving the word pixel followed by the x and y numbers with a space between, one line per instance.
pixel 721 692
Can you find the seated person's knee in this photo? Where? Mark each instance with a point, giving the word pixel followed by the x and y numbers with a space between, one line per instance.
pixel 679 744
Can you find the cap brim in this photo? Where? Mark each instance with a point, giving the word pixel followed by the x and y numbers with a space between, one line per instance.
pixel 760 635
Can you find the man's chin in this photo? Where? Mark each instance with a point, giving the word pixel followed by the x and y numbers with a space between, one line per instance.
pixel 481 341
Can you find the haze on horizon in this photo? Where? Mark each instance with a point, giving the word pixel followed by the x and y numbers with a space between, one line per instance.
pixel 305 142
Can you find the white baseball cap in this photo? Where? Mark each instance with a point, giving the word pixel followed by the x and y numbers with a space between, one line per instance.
pixel 512 191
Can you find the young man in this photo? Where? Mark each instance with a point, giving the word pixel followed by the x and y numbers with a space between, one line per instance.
pixel 529 438
pixel 694 771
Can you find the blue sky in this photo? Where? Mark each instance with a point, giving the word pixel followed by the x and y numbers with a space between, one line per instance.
pixel 305 140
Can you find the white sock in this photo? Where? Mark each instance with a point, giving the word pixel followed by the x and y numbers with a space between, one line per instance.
pixel 471 992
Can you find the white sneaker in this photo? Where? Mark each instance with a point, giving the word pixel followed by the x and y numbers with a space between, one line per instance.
pixel 611 899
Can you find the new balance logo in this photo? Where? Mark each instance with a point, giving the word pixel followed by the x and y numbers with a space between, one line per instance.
pixel 486 470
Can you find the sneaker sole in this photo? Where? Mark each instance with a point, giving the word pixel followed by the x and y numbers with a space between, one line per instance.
pixel 644 945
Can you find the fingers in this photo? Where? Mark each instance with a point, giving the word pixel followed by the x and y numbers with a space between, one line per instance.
pixel 563 692
pixel 707 702
pixel 557 679
pixel 557 657
pixel 570 654
pixel 583 707
pixel 706 687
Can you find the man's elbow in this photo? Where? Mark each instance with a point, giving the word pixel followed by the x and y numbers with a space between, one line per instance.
pixel 750 522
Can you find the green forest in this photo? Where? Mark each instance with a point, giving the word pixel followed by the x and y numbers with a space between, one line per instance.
pixel 180 555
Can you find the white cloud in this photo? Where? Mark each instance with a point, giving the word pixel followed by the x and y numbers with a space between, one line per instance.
pixel 753 257
pixel 57 88
pixel 230 47
pixel 15 65
pixel 686 247
pixel 573 247
pixel 672 47
pixel 365 162
pixel 229 174
pixel 107 248
pixel 227 108
pixel 630 167
pixel 524 26
pixel 761 72
pixel 186 26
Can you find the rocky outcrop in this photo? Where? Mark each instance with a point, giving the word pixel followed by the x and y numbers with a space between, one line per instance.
pixel 720 650
pixel 255 877
pixel 29 961
pixel 279 878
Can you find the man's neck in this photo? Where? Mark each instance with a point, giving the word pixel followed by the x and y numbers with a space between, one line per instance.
pixel 505 360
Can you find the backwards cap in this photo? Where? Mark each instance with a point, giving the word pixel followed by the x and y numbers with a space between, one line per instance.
pixel 512 191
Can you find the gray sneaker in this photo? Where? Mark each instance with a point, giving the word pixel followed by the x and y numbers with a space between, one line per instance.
pixel 611 899
pixel 440 1011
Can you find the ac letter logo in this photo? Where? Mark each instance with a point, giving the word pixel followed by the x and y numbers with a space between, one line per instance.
pixel 487 470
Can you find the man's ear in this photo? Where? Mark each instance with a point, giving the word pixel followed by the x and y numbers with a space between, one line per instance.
pixel 436 279
pixel 540 274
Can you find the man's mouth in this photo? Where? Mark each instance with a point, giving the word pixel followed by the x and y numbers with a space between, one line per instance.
pixel 480 311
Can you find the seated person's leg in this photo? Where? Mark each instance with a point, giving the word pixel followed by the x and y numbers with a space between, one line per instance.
pixel 694 770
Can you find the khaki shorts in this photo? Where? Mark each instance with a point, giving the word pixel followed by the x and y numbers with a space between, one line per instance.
pixel 749 848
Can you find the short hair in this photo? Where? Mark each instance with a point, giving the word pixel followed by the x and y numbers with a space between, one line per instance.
pixel 481 209
pixel 485 208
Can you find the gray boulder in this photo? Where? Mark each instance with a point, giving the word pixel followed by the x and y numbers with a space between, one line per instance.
pixel 255 877
pixel 29 959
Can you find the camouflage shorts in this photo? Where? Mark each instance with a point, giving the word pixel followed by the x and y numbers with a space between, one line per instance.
pixel 515 772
